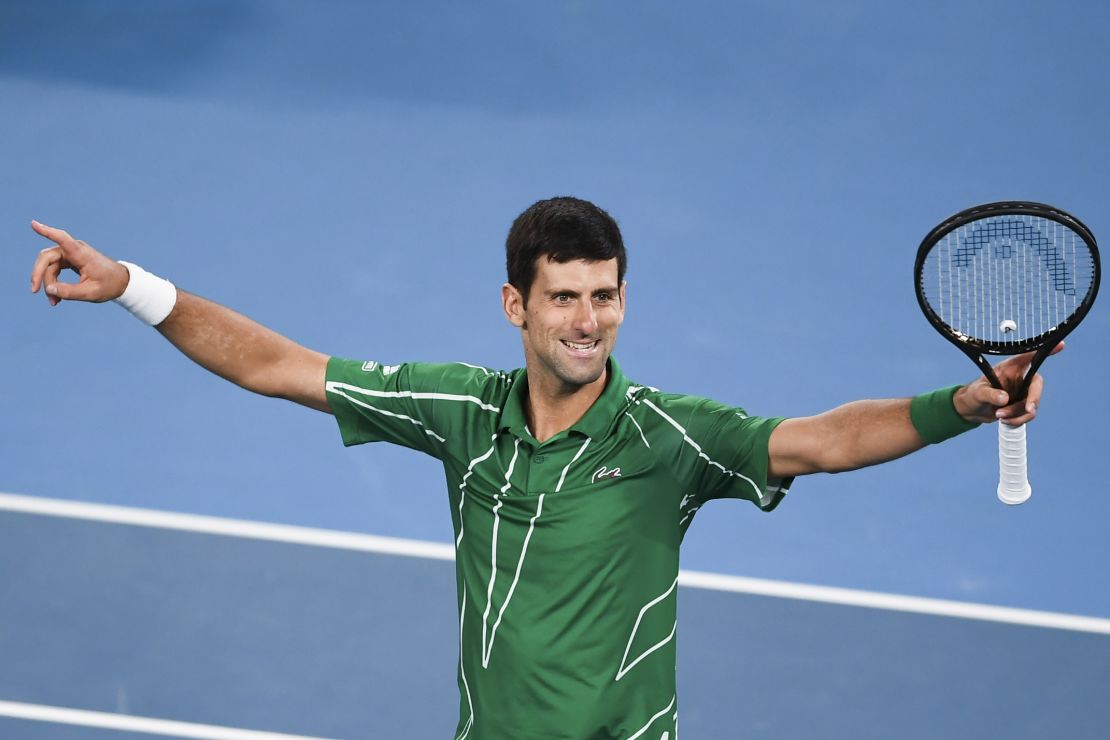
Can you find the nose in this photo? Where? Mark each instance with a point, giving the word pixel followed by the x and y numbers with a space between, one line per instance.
pixel 585 318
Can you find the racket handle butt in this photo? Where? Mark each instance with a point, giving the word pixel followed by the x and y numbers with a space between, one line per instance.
pixel 1013 480
pixel 1014 497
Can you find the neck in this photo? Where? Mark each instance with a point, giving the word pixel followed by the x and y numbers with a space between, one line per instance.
pixel 554 409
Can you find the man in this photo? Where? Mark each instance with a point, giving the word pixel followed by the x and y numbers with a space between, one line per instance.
pixel 570 486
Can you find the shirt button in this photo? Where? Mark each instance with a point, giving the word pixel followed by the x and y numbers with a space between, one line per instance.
pixel 538 459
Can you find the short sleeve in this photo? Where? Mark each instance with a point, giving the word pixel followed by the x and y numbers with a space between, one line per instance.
pixel 731 459
pixel 373 402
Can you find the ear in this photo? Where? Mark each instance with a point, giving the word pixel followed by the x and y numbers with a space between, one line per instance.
pixel 513 304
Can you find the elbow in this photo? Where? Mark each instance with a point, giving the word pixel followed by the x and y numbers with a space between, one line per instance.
pixel 838 455
pixel 260 380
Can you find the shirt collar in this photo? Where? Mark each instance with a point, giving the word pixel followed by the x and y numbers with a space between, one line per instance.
pixel 594 423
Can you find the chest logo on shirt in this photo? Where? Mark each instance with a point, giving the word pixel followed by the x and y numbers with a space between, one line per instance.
pixel 604 472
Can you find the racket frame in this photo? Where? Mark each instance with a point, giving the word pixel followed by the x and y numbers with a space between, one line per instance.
pixel 1043 343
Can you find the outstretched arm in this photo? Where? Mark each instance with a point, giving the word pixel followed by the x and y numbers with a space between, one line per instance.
pixel 864 433
pixel 217 338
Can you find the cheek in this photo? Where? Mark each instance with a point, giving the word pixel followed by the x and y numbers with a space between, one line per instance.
pixel 555 321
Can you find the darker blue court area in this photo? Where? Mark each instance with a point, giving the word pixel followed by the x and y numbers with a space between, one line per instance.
pixel 317 641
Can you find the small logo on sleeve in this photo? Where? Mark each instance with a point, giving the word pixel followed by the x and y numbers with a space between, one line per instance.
pixel 604 472
pixel 371 366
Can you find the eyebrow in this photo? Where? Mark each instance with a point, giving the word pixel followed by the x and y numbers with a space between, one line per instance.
pixel 575 293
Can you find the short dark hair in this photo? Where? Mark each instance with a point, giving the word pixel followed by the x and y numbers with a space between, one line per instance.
pixel 562 229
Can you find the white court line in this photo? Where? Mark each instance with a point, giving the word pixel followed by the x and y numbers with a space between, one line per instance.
pixel 442 551
pixel 893 602
pixel 229 527
pixel 131 723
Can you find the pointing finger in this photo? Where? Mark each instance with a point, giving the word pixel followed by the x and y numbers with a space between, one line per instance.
pixel 58 236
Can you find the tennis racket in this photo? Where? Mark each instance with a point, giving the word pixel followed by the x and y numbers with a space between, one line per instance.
pixel 1003 279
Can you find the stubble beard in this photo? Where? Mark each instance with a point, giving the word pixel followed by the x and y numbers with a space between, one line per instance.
pixel 569 377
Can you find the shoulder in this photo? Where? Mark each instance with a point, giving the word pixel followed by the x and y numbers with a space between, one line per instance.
pixel 419 380
pixel 677 410
pixel 681 423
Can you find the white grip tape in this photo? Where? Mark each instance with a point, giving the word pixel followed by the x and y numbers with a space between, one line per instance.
pixel 148 297
pixel 1013 480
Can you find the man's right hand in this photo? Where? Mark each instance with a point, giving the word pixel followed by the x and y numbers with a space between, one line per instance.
pixel 216 338
pixel 101 279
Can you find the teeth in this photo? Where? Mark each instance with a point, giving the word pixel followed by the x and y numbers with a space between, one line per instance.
pixel 576 345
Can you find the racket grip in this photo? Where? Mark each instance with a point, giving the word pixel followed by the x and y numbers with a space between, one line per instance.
pixel 1013 480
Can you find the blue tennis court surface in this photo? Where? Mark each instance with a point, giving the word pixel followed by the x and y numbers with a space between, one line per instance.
pixel 330 641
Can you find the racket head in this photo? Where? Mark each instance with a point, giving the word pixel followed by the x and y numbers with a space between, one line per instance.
pixel 1007 277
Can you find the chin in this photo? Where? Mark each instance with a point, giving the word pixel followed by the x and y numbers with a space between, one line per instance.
pixel 585 376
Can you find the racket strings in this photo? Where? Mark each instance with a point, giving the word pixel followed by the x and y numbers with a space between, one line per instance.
pixel 1006 280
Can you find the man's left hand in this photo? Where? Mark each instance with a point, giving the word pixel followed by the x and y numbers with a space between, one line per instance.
pixel 981 402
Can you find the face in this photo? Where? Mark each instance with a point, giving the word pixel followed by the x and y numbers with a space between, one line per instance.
pixel 569 324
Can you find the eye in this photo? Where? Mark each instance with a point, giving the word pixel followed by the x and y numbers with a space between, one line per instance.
pixel 603 297
pixel 562 299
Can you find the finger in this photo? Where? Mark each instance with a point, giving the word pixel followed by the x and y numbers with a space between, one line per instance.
pixel 1025 410
pixel 1013 411
pixel 71 291
pixel 1019 418
pixel 46 257
pixel 49 278
pixel 1025 359
pixel 58 236
pixel 980 402
pixel 1014 368
pixel 987 395
pixel 75 251
pixel 1012 373
pixel 1033 397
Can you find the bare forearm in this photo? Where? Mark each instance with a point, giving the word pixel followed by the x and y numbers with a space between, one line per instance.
pixel 217 338
pixel 864 433
pixel 244 352
pixel 874 431
pixel 848 437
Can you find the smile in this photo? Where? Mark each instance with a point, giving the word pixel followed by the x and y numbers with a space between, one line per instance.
pixel 580 346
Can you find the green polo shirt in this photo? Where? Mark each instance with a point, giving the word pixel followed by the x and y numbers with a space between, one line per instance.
pixel 566 551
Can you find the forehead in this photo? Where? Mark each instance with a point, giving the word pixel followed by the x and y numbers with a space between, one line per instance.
pixel 576 273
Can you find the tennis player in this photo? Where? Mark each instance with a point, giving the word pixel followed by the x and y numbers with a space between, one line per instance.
pixel 570 485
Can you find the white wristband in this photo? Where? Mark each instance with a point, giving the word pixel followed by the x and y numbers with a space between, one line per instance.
pixel 148 297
